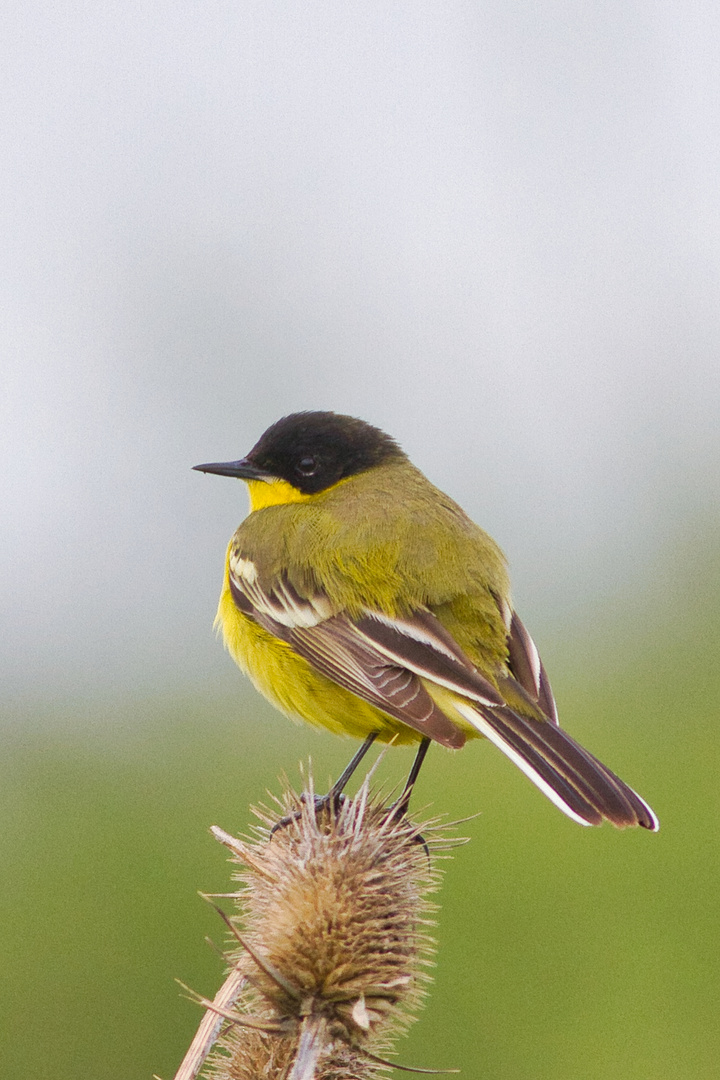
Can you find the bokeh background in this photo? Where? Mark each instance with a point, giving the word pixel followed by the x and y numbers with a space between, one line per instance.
pixel 492 229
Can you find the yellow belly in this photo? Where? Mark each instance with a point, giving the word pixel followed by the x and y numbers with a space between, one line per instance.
pixel 294 687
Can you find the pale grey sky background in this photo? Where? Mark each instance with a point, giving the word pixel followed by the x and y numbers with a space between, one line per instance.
pixel 491 228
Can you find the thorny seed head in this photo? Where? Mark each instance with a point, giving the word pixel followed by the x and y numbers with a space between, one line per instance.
pixel 334 912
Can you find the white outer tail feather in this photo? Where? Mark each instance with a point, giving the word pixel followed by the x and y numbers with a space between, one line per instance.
pixel 482 725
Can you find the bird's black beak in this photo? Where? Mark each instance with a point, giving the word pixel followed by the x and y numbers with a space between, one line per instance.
pixel 242 469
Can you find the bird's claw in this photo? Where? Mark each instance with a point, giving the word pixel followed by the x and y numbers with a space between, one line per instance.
pixel 322 803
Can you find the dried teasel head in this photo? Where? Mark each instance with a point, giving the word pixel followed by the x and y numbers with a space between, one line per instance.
pixel 333 921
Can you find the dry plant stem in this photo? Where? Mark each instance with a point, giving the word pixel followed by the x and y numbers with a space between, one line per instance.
pixel 210 1025
pixel 332 922
pixel 312 1041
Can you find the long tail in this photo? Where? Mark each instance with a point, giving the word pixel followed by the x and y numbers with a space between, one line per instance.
pixel 580 785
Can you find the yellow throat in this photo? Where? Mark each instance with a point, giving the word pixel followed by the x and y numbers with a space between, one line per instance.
pixel 273 493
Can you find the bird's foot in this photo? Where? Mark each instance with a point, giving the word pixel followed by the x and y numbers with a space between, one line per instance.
pixel 322 804
pixel 334 798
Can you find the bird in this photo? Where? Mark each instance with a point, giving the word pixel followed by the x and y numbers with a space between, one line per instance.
pixel 359 597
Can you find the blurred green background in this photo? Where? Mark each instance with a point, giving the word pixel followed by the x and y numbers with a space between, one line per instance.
pixel 563 952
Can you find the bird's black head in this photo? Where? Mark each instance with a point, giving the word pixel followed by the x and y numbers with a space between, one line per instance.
pixel 313 450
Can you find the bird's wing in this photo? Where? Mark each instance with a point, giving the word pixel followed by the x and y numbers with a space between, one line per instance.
pixel 389 662
pixel 335 648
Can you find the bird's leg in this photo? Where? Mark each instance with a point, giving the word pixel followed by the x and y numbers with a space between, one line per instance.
pixel 334 795
pixel 341 783
pixel 400 808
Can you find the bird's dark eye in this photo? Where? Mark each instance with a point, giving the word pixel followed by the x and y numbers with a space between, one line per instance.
pixel 307 466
